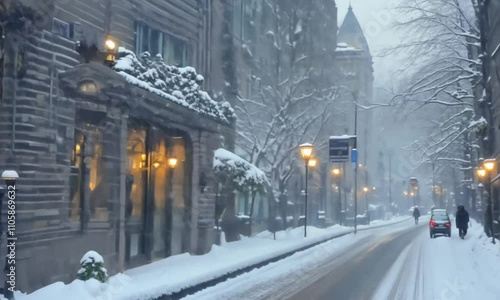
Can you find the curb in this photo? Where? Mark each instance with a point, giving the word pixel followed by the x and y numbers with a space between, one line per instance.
pixel 199 287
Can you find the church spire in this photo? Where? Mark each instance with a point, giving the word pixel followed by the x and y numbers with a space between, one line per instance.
pixel 350 5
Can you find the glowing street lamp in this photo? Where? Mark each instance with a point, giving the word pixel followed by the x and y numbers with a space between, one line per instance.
pixel 313 162
pixel 336 172
pixel 490 166
pixel 481 173
pixel 306 151
pixel 365 189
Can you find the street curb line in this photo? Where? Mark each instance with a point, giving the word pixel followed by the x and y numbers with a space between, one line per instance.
pixel 212 282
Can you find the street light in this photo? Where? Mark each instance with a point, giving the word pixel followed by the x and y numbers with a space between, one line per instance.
pixel 489 166
pixel 481 173
pixel 306 151
pixel 10 178
pixel 313 162
pixel 365 189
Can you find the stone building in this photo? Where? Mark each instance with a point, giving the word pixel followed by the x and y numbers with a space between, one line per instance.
pixel 493 10
pixel 354 65
pixel 92 148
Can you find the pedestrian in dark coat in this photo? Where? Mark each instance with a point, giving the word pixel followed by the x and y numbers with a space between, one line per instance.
pixel 462 220
pixel 416 214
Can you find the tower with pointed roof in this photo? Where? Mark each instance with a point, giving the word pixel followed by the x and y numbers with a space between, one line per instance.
pixel 354 66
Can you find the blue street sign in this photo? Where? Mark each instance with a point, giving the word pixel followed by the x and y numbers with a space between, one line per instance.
pixel 339 150
pixel 354 156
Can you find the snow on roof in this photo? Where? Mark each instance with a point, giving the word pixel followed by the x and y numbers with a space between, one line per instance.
pixel 244 172
pixel 346 47
pixel 179 85
pixel 342 137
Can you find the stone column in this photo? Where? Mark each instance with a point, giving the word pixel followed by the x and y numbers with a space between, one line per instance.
pixel 123 196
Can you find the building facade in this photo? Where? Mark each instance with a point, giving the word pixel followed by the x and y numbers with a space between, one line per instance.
pixel 92 149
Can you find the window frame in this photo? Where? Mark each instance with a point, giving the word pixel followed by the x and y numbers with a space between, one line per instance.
pixel 165 44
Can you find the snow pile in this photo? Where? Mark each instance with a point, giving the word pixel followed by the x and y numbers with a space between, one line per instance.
pixel 179 85
pixel 242 172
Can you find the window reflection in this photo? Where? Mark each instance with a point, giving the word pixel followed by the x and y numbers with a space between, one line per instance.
pixel 76 177
pixel 137 172
pixel 99 189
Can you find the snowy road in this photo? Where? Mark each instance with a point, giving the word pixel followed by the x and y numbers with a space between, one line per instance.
pixel 349 267
pixel 358 274
pixel 444 269
pixel 396 262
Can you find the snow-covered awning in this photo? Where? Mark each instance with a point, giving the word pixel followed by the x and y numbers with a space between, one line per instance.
pixel 244 174
pixel 179 85
pixel 342 137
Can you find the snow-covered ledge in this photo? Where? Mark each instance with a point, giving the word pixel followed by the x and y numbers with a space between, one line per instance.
pixel 179 85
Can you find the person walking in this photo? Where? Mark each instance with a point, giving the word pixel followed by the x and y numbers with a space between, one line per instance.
pixel 416 214
pixel 462 220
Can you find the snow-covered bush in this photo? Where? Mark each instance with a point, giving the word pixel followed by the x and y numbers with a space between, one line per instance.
pixel 92 266
pixel 230 168
pixel 180 85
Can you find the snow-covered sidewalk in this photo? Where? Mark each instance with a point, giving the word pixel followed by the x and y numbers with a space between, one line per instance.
pixel 178 272
pixel 445 268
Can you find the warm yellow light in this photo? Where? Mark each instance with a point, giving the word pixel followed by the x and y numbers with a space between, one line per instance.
pixel 156 164
pixel 143 157
pixel 336 171
pixel 77 148
pixel 360 165
pixel 306 150
pixel 141 165
pixel 412 194
pixel 92 186
pixel 489 164
pixel 481 173
pixel 172 162
pixel 313 162
pixel 110 45
pixel 416 187
pixel 365 189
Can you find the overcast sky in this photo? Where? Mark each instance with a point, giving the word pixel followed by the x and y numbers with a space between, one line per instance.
pixel 375 17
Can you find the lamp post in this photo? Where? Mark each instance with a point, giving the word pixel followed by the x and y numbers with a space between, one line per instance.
pixel 10 178
pixel 337 172
pixel 306 151
pixel 489 166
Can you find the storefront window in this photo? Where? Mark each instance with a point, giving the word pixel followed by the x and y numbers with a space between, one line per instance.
pixel 76 183
pixel 137 172
pixel 99 189
pixel 136 188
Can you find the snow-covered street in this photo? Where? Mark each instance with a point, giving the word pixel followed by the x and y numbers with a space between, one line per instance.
pixel 445 268
pixel 395 262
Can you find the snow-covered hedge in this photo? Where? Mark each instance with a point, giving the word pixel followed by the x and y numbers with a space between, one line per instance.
pixel 242 173
pixel 180 85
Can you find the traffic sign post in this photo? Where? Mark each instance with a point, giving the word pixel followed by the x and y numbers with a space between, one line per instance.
pixel 339 150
